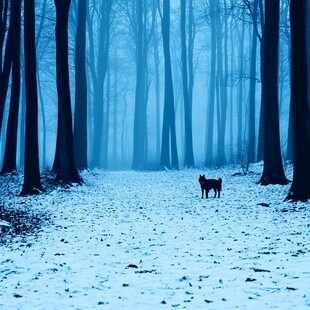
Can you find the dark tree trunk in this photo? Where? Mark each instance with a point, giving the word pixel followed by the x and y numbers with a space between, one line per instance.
pixel 189 154
pixel 169 143
pixel 22 114
pixel 80 115
pixel 32 182
pixel 308 45
pixel 300 189
pixel 9 162
pixel 273 172
pixel 6 61
pixel 3 26
pixel 64 164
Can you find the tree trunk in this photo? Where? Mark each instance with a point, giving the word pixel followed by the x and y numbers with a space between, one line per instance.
pixel 64 163
pixel 22 115
pixel 115 113
pixel 106 123
pixel 210 110
pixel 222 111
pixel 157 91
pixel 240 94
pixel 168 132
pixel 9 161
pixel 260 147
pixel 6 63
pixel 232 101
pixel 273 172
pixel 80 115
pixel 139 139
pixel 3 26
pixel 300 189
pixel 251 124
pixel 189 154
pixel 43 122
pixel 32 182
pixel 99 78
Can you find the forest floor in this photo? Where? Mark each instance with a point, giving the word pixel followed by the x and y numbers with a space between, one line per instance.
pixel 146 240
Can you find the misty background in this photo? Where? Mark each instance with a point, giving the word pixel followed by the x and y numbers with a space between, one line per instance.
pixel 125 67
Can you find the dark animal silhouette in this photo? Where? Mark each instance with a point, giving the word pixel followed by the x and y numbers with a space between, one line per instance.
pixel 207 184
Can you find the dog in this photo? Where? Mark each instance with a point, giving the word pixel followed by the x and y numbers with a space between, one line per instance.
pixel 207 184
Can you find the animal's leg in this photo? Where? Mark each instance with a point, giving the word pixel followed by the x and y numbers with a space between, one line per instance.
pixel 219 192
pixel 207 193
pixel 214 192
pixel 202 193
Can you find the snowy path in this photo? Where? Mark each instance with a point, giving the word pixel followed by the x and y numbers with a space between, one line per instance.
pixel 130 240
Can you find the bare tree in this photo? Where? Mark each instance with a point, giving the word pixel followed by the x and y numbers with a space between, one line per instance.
pixel 98 68
pixel 32 182
pixel 300 189
pixel 9 161
pixel 169 143
pixel 80 116
pixel 189 153
pixel 211 104
pixel 273 172
pixel 64 164
pixel 6 60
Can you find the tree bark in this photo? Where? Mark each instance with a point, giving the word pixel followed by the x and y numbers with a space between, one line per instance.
pixel 260 146
pixel 64 164
pixel 251 124
pixel 6 61
pixel 189 154
pixel 157 90
pixel 241 66
pixel 32 182
pixel 300 188
pixel 99 75
pixel 210 110
pixel 9 162
pixel 273 172
pixel 139 133
pixel 222 111
pixel 80 115
pixel 169 143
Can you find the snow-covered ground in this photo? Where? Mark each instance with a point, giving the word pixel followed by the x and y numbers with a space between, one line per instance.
pixel 146 240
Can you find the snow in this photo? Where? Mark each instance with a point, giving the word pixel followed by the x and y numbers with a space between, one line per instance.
pixel 4 223
pixel 146 240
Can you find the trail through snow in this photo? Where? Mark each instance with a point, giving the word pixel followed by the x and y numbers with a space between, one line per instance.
pixel 146 240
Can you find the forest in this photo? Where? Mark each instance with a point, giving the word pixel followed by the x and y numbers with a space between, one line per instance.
pixel 151 85
pixel 118 118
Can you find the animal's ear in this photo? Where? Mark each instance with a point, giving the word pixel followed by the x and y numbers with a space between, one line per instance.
pixel 204 175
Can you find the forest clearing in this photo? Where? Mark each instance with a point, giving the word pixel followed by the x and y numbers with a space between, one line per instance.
pixel 146 240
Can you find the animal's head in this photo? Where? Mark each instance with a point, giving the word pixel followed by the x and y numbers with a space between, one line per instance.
pixel 201 179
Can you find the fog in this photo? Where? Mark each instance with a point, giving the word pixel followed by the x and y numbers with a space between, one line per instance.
pixel 126 75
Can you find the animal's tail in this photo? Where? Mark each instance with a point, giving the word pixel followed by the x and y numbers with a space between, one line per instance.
pixel 220 181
